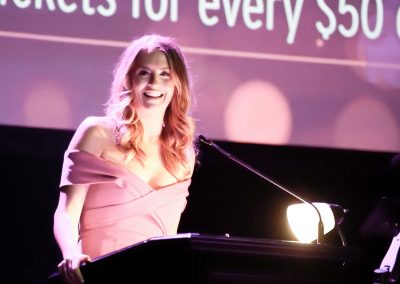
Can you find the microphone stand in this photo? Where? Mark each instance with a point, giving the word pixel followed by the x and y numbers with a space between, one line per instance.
pixel 246 166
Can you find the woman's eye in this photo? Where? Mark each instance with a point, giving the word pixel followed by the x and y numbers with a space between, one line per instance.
pixel 165 74
pixel 143 73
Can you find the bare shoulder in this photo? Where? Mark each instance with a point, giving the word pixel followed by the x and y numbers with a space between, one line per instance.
pixel 93 135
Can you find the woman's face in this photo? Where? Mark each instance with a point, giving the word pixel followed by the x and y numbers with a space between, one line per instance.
pixel 152 80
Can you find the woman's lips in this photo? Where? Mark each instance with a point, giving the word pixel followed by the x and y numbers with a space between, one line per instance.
pixel 153 94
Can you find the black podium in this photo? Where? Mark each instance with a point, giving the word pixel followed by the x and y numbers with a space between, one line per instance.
pixel 196 258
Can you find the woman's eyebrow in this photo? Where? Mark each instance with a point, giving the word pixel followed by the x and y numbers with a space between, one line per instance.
pixel 150 67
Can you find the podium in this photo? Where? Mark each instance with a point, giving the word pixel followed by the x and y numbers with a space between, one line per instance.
pixel 197 258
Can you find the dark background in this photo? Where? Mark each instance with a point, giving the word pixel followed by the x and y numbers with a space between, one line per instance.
pixel 224 198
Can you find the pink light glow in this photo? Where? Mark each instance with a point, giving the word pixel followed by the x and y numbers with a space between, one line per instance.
pixel 359 122
pixel 46 105
pixel 258 112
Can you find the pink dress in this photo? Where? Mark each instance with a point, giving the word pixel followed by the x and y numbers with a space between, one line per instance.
pixel 120 209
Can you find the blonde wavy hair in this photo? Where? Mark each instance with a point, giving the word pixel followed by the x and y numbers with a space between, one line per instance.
pixel 178 131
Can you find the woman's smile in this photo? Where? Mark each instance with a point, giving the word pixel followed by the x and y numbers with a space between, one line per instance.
pixel 154 94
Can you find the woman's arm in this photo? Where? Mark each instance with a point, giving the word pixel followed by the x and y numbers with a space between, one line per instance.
pixel 66 220
pixel 90 137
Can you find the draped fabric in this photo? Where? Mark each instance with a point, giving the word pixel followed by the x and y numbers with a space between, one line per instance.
pixel 120 208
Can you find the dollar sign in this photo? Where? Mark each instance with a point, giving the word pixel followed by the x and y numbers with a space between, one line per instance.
pixel 326 31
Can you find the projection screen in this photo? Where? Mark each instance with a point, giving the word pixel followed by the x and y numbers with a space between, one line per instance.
pixel 290 72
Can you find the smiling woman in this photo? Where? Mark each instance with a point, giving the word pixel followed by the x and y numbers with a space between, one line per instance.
pixel 126 175
pixel 152 80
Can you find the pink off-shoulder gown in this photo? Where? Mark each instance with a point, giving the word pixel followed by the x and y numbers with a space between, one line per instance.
pixel 120 208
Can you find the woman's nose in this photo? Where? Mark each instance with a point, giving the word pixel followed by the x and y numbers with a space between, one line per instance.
pixel 153 80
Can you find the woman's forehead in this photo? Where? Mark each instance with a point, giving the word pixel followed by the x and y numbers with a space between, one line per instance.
pixel 153 58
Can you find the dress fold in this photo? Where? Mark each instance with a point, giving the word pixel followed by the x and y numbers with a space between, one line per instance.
pixel 120 208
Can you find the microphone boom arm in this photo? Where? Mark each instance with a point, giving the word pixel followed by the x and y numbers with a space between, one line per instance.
pixel 270 180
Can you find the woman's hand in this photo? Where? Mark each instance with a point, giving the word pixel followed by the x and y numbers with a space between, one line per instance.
pixel 69 268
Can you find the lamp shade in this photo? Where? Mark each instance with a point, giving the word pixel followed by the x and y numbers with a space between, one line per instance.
pixel 303 220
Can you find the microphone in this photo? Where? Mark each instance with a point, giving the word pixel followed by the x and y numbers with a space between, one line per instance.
pixel 270 180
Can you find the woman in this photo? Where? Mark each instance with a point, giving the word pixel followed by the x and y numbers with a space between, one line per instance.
pixel 126 175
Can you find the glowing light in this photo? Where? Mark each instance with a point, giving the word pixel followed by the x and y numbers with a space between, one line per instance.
pixel 383 50
pixel 360 120
pixel 45 105
pixel 258 112
pixel 303 220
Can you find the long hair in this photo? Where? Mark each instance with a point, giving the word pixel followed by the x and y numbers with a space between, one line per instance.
pixel 178 132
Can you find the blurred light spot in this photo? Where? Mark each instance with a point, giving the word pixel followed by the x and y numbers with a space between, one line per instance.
pixel 319 42
pixel 387 48
pixel 257 112
pixel 384 50
pixel 45 105
pixel 366 123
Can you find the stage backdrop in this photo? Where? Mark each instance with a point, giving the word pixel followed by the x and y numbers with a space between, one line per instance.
pixel 290 72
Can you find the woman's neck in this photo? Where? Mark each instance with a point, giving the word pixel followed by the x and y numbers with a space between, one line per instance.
pixel 152 123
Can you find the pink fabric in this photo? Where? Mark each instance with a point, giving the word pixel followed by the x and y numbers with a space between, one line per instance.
pixel 120 209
